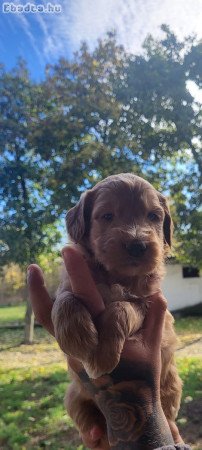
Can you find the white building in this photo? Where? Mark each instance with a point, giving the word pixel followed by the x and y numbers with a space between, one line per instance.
pixel 181 291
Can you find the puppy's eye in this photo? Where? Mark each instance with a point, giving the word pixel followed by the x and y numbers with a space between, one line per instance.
pixel 108 217
pixel 153 217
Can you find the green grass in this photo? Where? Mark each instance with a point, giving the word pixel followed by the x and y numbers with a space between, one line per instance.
pixel 11 314
pixel 12 338
pixel 33 381
pixel 33 415
pixel 190 370
pixel 186 325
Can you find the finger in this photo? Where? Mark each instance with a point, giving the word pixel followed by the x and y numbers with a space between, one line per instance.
pixel 154 320
pixel 39 297
pixel 82 282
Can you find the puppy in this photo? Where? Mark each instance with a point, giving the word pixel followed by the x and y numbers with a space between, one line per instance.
pixel 123 228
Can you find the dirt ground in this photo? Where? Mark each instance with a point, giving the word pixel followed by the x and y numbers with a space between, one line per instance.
pixel 191 349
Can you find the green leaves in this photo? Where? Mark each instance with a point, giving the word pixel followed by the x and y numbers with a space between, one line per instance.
pixel 26 211
pixel 103 112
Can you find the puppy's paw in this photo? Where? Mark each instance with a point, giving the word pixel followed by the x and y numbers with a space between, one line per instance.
pixel 73 326
pixel 102 363
pixel 113 327
pixel 95 372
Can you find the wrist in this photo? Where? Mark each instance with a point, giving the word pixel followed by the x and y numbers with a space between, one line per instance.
pixel 155 431
pixel 132 408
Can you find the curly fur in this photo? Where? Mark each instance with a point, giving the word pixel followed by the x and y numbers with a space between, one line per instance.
pixel 120 214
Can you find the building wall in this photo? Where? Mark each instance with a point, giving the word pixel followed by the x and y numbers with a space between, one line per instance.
pixel 181 292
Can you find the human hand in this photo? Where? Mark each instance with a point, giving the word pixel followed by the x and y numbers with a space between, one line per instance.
pixel 42 307
pixel 129 397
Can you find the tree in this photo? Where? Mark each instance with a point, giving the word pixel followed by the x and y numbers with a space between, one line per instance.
pixel 109 111
pixel 170 126
pixel 103 112
pixel 11 283
pixel 79 131
pixel 27 217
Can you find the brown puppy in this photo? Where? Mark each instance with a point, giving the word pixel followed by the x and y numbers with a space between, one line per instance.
pixel 124 228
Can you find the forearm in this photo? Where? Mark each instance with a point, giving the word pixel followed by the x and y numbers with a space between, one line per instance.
pixel 134 422
pixel 175 447
pixel 132 409
pixel 148 435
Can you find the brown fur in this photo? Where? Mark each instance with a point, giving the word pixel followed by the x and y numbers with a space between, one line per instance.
pixel 124 280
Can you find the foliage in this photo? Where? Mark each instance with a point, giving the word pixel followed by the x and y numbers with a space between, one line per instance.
pixel 109 111
pixel 51 264
pixel 12 277
pixel 27 219
pixel 105 111
pixel 12 280
pixel 169 131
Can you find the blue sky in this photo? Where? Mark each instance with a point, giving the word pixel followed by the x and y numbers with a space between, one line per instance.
pixel 42 38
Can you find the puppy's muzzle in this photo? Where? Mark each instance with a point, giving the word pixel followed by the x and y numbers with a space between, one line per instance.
pixel 136 249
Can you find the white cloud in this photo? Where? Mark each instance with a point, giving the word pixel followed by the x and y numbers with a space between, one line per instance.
pixel 26 27
pixel 23 20
pixel 132 19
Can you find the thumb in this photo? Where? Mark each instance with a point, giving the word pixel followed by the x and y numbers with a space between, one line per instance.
pixel 39 297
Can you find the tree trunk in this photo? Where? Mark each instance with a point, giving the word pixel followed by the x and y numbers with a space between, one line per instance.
pixel 29 315
pixel 29 324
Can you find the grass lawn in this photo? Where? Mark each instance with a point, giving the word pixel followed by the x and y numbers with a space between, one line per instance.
pixel 189 329
pixel 33 380
pixel 10 315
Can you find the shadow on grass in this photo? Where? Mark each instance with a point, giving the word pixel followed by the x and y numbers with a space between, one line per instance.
pixel 33 414
pixel 13 337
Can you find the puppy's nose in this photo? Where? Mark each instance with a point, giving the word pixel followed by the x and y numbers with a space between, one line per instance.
pixel 136 249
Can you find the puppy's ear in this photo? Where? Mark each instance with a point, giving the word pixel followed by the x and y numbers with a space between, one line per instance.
pixel 78 217
pixel 168 223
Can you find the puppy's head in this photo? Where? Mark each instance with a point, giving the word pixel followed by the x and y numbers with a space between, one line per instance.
pixel 125 223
